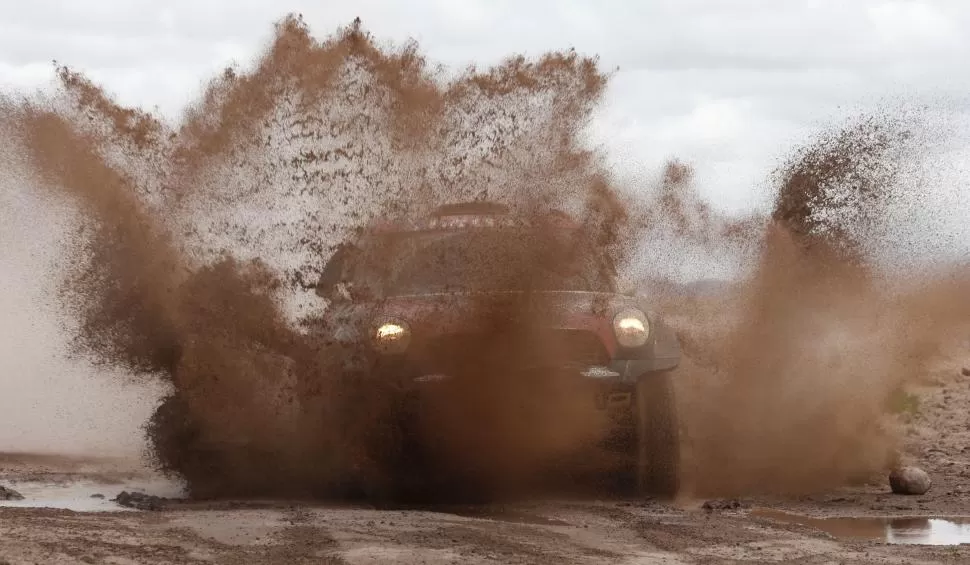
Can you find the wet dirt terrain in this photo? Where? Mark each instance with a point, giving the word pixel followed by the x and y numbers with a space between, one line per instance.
pixel 68 516
pixel 547 532
pixel 77 528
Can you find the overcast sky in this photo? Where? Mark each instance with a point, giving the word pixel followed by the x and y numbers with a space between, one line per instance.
pixel 729 85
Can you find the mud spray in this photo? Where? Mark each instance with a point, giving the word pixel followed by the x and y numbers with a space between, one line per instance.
pixel 195 249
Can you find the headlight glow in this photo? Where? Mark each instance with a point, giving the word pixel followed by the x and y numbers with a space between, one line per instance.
pixel 631 327
pixel 392 337
pixel 390 331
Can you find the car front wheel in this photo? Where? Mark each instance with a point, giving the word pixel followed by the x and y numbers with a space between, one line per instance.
pixel 658 438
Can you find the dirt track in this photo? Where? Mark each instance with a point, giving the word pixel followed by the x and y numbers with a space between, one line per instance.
pixel 552 531
pixel 585 531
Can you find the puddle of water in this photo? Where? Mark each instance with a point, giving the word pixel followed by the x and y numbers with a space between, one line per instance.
pixel 896 530
pixel 80 495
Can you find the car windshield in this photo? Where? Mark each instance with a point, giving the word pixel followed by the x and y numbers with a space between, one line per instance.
pixel 480 260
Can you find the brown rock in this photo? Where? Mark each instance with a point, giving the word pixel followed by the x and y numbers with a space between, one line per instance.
pixel 720 504
pixel 10 494
pixel 910 480
pixel 139 501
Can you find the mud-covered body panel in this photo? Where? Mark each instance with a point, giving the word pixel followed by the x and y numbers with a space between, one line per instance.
pixel 454 284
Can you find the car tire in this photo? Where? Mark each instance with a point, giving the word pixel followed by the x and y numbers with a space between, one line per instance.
pixel 658 437
pixel 174 445
pixel 177 448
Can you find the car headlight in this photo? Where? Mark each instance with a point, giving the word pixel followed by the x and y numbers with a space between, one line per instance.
pixel 631 327
pixel 392 336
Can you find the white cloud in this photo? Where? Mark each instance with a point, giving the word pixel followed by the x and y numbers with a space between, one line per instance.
pixel 728 85
pixel 716 120
pixel 909 25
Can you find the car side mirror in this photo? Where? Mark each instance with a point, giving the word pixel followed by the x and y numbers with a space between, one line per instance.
pixel 326 289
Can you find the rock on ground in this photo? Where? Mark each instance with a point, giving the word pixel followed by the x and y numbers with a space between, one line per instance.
pixel 910 480
pixel 731 504
pixel 139 501
pixel 10 494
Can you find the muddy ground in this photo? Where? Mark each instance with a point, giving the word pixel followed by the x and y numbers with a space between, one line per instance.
pixel 603 531
pixel 81 524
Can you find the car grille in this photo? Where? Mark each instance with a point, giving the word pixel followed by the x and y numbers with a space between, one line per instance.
pixel 547 347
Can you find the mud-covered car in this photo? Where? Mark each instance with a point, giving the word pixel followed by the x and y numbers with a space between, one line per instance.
pixel 474 286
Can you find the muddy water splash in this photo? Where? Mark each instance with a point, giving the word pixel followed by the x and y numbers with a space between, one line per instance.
pixel 199 243
pixel 820 335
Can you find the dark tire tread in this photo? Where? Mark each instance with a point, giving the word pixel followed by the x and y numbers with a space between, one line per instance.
pixel 658 445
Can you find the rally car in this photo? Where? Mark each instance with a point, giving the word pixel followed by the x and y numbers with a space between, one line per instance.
pixel 475 285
